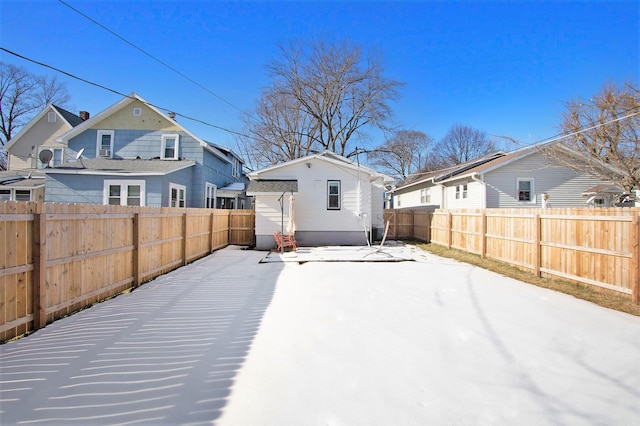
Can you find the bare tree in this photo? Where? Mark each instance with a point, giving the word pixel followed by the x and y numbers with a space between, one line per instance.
pixel 278 132
pixel 404 153
pixel 330 95
pixel 22 95
pixel 462 144
pixel 606 130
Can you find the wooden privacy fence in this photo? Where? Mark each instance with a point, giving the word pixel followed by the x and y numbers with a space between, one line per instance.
pixel 409 223
pixel 599 247
pixel 58 258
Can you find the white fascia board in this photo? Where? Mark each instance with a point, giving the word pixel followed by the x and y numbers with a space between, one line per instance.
pixel 64 138
pixel 224 148
pixel 212 149
pixel 29 125
pixel 321 157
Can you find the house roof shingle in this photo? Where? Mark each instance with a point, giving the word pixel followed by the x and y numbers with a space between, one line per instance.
pixel 124 166
pixel 272 185
pixel 71 118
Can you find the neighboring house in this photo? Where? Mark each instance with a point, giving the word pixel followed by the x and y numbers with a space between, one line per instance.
pixel 336 201
pixel 134 154
pixel 500 180
pixel 35 142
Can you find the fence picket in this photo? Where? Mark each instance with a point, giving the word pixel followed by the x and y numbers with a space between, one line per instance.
pixel 599 247
pixel 58 258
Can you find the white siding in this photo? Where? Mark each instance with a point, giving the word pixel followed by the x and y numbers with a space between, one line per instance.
pixel 311 213
pixel 564 185
pixel 270 218
pixel 474 199
pixel 410 197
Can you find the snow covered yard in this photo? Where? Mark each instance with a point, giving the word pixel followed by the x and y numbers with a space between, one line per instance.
pixel 433 342
pixel 231 341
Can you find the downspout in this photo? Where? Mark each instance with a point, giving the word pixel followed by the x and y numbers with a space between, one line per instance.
pixel 443 193
pixel 481 181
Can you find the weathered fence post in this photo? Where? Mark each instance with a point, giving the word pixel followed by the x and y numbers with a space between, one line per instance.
pixel 635 261
pixel 184 238
pixel 136 249
pixel 537 248
pixel 212 225
pixel 39 269
pixel 483 234
pixel 450 229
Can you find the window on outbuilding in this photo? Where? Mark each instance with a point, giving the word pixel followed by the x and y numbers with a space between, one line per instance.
pixel 333 195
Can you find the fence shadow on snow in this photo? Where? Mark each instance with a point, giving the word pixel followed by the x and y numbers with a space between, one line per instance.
pixel 59 258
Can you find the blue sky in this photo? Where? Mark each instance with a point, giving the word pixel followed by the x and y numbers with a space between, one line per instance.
pixel 505 67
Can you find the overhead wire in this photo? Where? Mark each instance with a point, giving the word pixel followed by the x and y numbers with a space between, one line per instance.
pixel 151 56
pixel 122 94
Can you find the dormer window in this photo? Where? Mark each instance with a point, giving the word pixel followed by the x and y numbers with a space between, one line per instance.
pixel 170 147
pixel 104 147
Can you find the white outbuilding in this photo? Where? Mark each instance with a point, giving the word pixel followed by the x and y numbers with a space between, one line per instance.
pixel 326 199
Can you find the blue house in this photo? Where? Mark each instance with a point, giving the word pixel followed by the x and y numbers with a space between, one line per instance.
pixel 134 154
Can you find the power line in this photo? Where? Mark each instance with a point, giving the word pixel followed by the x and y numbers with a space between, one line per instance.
pixel 120 93
pixel 564 135
pixel 151 56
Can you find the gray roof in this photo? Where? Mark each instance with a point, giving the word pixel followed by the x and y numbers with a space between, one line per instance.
pixel 123 166
pixel 272 185
pixel 71 118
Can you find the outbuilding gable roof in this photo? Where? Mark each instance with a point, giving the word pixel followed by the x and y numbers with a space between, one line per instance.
pixel 329 157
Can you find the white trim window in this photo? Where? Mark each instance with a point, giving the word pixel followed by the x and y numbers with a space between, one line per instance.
pixel 15 194
pixel 51 117
pixel 210 196
pixel 236 167
pixel 170 147
pixel 462 191
pixel 333 195
pixel 525 190
pixel 22 195
pixel 124 192
pixel 425 195
pixel 177 195
pixel 137 112
pixel 104 144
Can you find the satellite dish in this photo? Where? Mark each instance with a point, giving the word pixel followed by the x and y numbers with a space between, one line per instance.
pixel 45 156
pixel 79 157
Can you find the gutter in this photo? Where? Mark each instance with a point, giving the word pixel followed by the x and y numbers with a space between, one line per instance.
pixel 480 179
